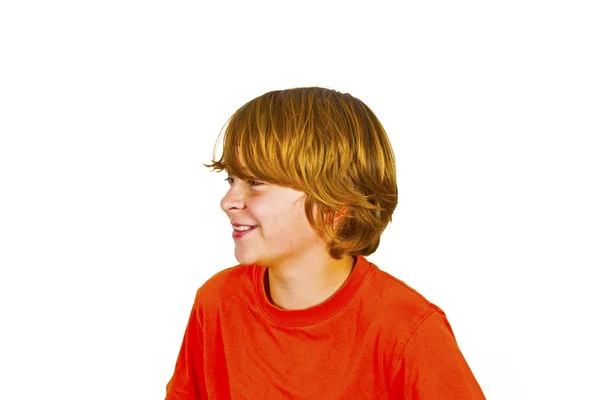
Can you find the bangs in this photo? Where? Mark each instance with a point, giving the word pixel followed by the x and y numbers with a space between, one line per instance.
pixel 261 142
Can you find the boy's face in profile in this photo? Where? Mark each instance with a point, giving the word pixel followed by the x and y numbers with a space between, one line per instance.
pixel 282 231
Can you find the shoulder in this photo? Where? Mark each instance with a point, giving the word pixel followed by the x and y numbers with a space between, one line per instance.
pixel 225 282
pixel 396 295
pixel 398 306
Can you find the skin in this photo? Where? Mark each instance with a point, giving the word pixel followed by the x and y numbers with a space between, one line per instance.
pixel 301 273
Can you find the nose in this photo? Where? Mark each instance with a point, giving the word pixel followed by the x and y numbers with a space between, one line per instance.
pixel 233 199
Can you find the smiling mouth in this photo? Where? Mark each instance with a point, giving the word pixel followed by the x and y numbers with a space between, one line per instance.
pixel 244 228
pixel 238 234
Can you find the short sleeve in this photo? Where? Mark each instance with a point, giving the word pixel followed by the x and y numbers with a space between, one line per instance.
pixel 432 366
pixel 183 385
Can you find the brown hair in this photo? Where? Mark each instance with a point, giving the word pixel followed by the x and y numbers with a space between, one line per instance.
pixel 327 144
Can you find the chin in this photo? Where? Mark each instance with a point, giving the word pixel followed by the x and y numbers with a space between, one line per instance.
pixel 245 260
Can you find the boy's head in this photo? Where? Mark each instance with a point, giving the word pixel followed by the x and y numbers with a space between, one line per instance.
pixel 326 144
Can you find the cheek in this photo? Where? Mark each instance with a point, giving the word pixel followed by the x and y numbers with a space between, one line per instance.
pixel 280 221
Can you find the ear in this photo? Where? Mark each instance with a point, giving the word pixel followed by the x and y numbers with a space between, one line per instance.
pixel 339 217
pixel 336 218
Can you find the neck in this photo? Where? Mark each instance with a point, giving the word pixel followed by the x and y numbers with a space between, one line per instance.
pixel 300 288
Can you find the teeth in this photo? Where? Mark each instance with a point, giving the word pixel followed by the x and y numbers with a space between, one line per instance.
pixel 242 228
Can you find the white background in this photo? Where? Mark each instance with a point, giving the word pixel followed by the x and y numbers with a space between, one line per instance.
pixel 109 222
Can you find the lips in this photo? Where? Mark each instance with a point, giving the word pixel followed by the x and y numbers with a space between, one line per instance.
pixel 239 234
pixel 251 227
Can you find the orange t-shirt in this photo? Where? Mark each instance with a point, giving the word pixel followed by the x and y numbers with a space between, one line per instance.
pixel 375 338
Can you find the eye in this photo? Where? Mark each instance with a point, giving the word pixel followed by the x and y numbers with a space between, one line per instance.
pixel 229 180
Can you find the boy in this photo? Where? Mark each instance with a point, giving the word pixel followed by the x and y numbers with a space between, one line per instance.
pixel 304 315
